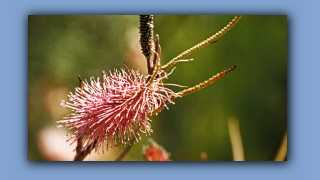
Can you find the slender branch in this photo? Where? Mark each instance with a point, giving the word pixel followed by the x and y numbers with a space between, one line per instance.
pixel 82 154
pixel 126 150
pixel 195 88
pixel 157 65
pixel 204 43
pixel 204 84
pixel 171 63
pixel 235 138
pixel 282 152
pixel 158 50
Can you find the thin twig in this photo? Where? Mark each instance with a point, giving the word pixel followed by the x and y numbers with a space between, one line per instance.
pixel 235 138
pixel 202 44
pixel 203 84
pixel 154 69
pixel 282 152
pixel 126 150
pixel 81 154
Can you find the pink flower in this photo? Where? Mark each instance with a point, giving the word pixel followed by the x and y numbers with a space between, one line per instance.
pixel 113 109
pixel 154 152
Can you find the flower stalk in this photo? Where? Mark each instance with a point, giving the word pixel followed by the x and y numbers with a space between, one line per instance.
pixel 202 44
pixel 203 84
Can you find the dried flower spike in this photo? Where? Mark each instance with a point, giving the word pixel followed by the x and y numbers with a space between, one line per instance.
pixel 112 109
pixel 146 38
pixel 146 34
pixel 155 152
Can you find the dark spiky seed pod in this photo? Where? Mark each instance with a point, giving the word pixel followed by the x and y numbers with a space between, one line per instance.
pixel 146 34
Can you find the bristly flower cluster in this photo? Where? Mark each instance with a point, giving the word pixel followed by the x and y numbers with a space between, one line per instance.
pixel 114 109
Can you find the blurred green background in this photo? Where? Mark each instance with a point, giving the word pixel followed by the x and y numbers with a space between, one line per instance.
pixel 62 47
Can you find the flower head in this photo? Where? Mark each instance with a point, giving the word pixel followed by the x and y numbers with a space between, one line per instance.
pixel 115 108
pixel 155 152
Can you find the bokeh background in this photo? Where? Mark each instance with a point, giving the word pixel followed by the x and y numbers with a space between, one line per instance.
pixel 62 47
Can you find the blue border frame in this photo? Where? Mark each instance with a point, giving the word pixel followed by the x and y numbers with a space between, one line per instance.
pixel 303 88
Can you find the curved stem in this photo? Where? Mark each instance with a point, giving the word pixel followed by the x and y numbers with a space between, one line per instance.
pixel 204 84
pixel 204 43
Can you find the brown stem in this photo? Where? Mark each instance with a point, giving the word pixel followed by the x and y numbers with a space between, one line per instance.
pixel 81 154
pixel 158 52
pixel 126 150
pixel 153 71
